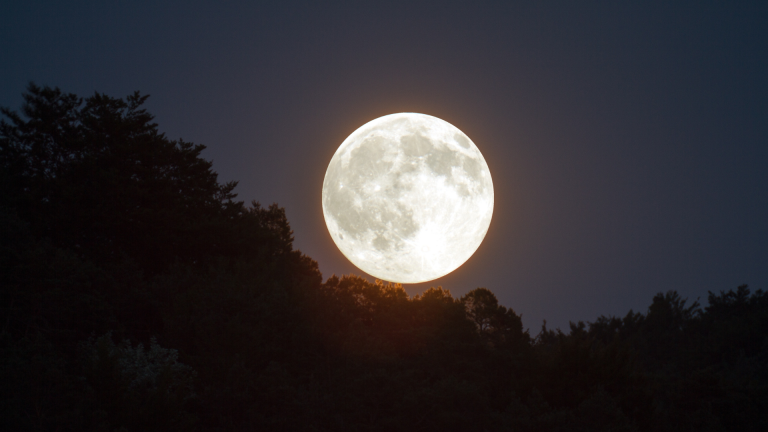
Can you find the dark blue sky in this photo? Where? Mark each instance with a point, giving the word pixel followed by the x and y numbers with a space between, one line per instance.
pixel 628 143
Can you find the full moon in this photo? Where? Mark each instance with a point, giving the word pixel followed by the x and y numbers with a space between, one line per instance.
pixel 408 198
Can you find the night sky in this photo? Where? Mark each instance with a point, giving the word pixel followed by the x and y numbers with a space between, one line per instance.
pixel 628 144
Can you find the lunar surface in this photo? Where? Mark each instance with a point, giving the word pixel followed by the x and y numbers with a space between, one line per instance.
pixel 408 198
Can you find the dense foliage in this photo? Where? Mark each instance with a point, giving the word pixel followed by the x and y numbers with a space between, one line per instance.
pixel 136 294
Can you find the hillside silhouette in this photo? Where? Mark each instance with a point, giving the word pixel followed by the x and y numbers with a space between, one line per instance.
pixel 137 295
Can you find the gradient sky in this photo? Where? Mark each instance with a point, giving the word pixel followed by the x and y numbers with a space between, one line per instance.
pixel 628 143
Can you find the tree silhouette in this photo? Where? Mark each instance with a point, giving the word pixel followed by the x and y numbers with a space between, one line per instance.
pixel 95 175
pixel 501 326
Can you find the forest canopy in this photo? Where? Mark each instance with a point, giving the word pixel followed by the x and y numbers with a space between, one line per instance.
pixel 137 293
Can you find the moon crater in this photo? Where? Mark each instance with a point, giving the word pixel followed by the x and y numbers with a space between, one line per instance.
pixel 408 198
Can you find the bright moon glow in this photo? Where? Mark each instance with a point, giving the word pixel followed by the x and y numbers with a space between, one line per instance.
pixel 408 198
